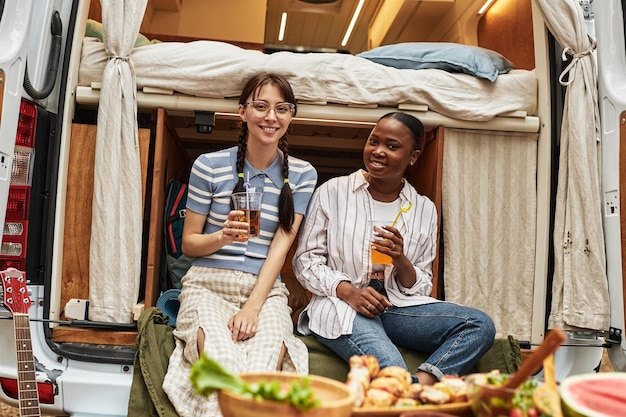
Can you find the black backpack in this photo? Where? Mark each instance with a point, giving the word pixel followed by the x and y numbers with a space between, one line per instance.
pixel 173 220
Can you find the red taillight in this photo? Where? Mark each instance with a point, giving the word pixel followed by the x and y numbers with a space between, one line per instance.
pixel 12 263
pixel 44 389
pixel 18 203
pixel 26 125
pixel 15 231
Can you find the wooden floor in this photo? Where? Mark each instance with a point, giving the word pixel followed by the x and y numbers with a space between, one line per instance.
pixel 6 411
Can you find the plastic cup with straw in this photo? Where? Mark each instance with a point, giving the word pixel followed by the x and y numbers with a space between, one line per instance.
pixel 381 258
pixel 246 186
pixel 402 210
pixel 250 203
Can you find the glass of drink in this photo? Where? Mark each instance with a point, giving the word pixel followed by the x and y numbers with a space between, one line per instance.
pixel 250 204
pixel 377 257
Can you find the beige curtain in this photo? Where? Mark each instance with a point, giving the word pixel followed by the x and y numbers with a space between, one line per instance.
pixel 580 289
pixel 116 232
pixel 489 215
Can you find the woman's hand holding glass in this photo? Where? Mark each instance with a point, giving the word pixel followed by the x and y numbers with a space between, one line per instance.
pixel 233 229
pixel 388 241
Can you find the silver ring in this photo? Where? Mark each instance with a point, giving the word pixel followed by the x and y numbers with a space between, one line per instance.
pixel 227 223
pixel 393 247
pixel 368 306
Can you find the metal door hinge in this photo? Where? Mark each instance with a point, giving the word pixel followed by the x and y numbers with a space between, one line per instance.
pixel 614 337
pixel 586 6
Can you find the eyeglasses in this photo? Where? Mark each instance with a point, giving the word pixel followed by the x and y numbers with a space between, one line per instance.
pixel 262 109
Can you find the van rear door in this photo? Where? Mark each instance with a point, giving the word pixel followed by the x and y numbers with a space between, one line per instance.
pixel 15 18
pixel 610 35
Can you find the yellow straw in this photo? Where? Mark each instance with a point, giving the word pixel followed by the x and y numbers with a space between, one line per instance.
pixel 402 210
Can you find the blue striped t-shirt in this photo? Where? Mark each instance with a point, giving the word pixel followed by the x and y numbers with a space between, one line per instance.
pixel 211 182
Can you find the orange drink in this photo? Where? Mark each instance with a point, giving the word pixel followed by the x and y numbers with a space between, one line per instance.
pixel 376 256
pixel 380 258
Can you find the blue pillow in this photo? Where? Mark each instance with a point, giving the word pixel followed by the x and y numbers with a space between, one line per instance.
pixel 451 57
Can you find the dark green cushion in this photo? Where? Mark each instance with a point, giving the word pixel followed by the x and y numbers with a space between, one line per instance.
pixel 504 355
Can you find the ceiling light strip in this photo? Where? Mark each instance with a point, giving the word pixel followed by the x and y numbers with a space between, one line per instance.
pixel 283 23
pixel 355 16
pixel 485 6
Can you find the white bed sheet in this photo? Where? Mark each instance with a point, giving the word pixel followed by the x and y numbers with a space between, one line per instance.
pixel 218 70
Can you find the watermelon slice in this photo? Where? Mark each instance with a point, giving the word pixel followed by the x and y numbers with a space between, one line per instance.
pixel 594 395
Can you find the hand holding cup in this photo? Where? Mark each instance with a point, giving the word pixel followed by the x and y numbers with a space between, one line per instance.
pixel 248 203
pixel 379 241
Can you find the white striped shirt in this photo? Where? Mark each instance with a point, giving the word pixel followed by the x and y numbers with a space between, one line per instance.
pixel 334 246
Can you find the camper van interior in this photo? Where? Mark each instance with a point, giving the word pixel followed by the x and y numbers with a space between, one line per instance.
pixel 491 128
pixel 482 76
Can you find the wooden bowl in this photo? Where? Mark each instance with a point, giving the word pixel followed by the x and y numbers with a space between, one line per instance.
pixel 425 414
pixel 336 399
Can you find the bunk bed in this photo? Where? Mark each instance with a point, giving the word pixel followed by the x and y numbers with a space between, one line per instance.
pixel 212 69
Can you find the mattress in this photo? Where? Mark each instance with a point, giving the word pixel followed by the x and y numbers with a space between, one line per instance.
pixel 218 70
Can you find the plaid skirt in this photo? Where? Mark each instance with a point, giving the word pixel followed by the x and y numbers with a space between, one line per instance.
pixel 209 298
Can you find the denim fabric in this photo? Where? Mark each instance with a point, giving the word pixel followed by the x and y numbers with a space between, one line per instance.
pixel 456 336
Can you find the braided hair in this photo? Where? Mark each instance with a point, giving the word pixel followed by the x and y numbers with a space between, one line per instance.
pixel 286 213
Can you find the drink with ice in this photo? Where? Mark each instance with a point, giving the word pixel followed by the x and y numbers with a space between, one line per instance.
pixel 250 204
pixel 253 217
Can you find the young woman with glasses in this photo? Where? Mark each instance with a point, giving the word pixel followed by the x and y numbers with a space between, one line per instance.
pixel 233 305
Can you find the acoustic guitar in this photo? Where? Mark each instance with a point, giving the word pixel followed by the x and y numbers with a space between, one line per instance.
pixel 17 301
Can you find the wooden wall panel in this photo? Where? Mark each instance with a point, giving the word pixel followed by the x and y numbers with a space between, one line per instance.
pixel 169 162
pixel 426 176
pixel 507 28
pixel 77 232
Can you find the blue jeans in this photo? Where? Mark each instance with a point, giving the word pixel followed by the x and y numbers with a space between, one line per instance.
pixel 455 336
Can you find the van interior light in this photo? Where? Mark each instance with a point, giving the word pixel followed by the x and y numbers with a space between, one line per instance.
pixel 283 23
pixel 355 16
pixel 485 7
